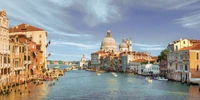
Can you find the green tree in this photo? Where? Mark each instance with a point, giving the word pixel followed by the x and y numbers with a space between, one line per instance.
pixel 163 55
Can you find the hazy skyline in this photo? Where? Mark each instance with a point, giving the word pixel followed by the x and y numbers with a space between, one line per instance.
pixel 77 27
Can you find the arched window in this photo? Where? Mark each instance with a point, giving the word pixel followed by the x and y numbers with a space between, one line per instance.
pixel 197 56
pixel 197 67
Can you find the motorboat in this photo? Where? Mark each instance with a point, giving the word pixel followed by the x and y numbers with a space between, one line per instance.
pixel 161 79
pixel 114 74
pixel 98 73
pixel 149 80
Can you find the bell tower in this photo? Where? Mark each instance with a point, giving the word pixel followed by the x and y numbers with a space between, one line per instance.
pixel 130 45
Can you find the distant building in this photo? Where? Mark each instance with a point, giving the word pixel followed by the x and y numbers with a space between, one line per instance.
pixel 111 57
pixel 135 65
pixel 37 35
pixel 82 62
pixel 55 62
pixel 148 69
pixel 126 58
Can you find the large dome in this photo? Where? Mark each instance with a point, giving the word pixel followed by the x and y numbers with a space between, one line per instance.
pixel 108 43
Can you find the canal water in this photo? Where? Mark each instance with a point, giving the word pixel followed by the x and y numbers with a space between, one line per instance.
pixel 85 85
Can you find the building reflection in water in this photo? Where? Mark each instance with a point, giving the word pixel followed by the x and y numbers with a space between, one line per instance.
pixel 35 93
pixel 194 93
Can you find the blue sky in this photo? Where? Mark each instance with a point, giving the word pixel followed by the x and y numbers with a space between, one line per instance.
pixel 77 27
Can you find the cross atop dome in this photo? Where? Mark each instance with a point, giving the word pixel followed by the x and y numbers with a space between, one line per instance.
pixel 108 34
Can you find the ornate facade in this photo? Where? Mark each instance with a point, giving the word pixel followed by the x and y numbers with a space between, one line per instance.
pixel 4 48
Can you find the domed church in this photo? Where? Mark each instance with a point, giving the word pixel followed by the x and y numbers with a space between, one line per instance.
pixel 109 44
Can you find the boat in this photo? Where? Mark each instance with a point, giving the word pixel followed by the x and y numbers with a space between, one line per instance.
pixel 149 80
pixel 98 73
pixel 74 69
pixel 114 74
pixel 161 79
pixel 67 69
pixel 56 67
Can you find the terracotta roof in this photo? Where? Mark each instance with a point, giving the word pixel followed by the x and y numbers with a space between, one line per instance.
pixel 99 52
pixel 156 57
pixel 139 60
pixel 24 28
pixel 194 41
pixel 196 46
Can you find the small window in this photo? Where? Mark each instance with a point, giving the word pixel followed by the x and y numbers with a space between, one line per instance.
pixel 197 67
pixel 176 66
pixel 5 59
pixel 183 42
pixel 40 36
pixel 28 58
pixel 20 49
pixel 16 39
pixel 197 56
pixel 40 42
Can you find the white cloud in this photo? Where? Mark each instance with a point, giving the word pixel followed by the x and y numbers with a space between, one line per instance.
pixel 190 21
pixel 80 45
pixel 94 12
pixel 164 4
pixel 152 48
pixel 146 45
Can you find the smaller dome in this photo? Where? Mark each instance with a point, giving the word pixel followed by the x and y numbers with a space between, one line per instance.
pixel 123 45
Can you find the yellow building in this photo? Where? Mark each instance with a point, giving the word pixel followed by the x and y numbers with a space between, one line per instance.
pixel 4 48
pixel 182 60
pixel 38 36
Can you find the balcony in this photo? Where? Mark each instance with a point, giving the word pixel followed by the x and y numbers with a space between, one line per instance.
pixel 27 62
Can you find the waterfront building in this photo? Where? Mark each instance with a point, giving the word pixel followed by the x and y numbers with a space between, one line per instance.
pixel 163 68
pixel 37 35
pixel 135 65
pixel 39 60
pixel 4 48
pixel 183 60
pixel 126 58
pixel 95 58
pixel 82 61
pixel 17 54
pixel 148 69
